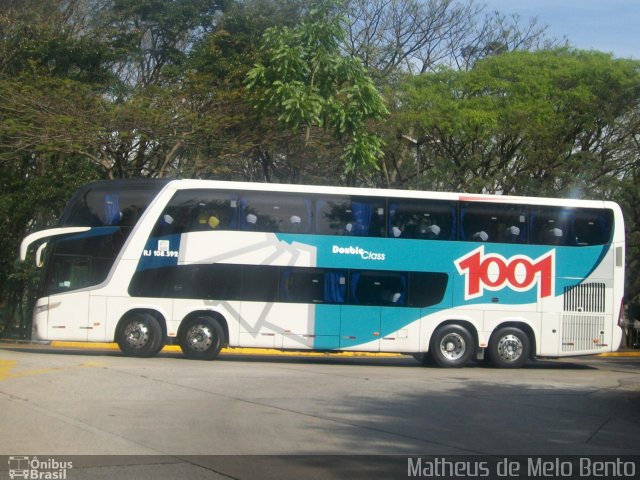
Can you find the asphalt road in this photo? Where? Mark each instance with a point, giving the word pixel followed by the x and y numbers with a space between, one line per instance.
pixel 162 411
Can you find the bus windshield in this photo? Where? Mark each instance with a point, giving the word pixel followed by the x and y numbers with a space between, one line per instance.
pixel 111 209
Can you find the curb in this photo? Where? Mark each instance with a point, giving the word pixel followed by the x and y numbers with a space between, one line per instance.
pixel 233 351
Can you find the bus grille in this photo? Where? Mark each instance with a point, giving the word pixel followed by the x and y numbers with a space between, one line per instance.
pixel 586 297
pixel 583 333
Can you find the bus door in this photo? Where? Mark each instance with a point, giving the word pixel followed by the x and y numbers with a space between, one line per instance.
pixel 312 301
pixel 68 313
pixel 68 317
pixel 377 312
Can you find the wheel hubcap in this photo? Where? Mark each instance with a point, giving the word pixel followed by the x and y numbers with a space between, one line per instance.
pixel 137 334
pixel 510 348
pixel 200 337
pixel 453 346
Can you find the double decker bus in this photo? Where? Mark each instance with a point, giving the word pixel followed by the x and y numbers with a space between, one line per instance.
pixel 208 264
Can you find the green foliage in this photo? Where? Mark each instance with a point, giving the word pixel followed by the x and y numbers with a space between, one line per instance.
pixel 304 81
pixel 547 122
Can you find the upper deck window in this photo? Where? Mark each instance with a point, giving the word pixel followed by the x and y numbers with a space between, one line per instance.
pixel 571 227
pixel 110 203
pixel 278 213
pixel 490 222
pixel 357 216
pixel 198 210
pixel 421 219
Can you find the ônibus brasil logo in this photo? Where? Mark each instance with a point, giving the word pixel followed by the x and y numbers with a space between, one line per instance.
pixel 495 272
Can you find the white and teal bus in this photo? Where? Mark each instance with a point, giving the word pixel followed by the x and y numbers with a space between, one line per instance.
pixel 207 264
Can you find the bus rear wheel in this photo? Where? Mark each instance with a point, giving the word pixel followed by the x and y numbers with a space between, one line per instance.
pixel 509 347
pixel 202 338
pixel 452 346
pixel 139 335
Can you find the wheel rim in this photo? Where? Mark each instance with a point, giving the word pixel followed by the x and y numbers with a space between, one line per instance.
pixel 200 337
pixel 452 346
pixel 137 334
pixel 510 348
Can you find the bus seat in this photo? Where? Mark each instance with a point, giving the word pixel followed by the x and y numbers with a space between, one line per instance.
pixel 512 234
pixel 480 236
pixel 431 232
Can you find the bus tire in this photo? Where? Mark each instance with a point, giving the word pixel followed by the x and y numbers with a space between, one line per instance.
pixel 452 346
pixel 201 338
pixel 509 347
pixel 139 335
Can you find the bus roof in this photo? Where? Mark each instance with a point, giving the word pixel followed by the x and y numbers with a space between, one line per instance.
pixel 372 192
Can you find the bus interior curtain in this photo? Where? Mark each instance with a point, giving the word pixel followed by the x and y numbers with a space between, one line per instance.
pixel 335 287
pixel 308 209
pixel 233 210
pixel 355 278
pixel 361 218
pixel 461 229
pixel 454 224
pixel 393 208
pixel 112 213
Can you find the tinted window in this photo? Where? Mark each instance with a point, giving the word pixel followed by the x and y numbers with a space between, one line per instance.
pixel 217 281
pixel 198 210
pixel 259 283
pixel 275 213
pixel 378 288
pixel 421 219
pixel 427 288
pixel 83 260
pixel 108 203
pixel 592 227
pixel 574 227
pixel 551 226
pixel 486 222
pixel 302 285
pixel 288 284
pixel 358 216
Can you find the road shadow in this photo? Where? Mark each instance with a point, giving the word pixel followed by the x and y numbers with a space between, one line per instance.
pixel 406 361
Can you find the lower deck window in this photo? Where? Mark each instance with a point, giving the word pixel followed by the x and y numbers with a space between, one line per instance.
pixel 261 283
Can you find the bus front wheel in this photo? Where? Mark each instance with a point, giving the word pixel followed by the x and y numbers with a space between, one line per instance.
pixel 452 346
pixel 509 347
pixel 202 338
pixel 139 335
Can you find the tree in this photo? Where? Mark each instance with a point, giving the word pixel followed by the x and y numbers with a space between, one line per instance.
pixel 418 36
pixel 304 82
pixel 546 122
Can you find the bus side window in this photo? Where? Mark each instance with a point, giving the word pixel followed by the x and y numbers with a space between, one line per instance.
pixel 198 210
pixel 378 288
pixel 592 227
pixel 485 222
pixel 277 213
pixel 333 216
pixel 427 288
pixel 421 219
pixel 357 216
pixel 550 226
pixel 217 212
pixel 302 285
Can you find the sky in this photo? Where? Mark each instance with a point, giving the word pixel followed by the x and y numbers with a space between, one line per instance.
pixel 611 26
